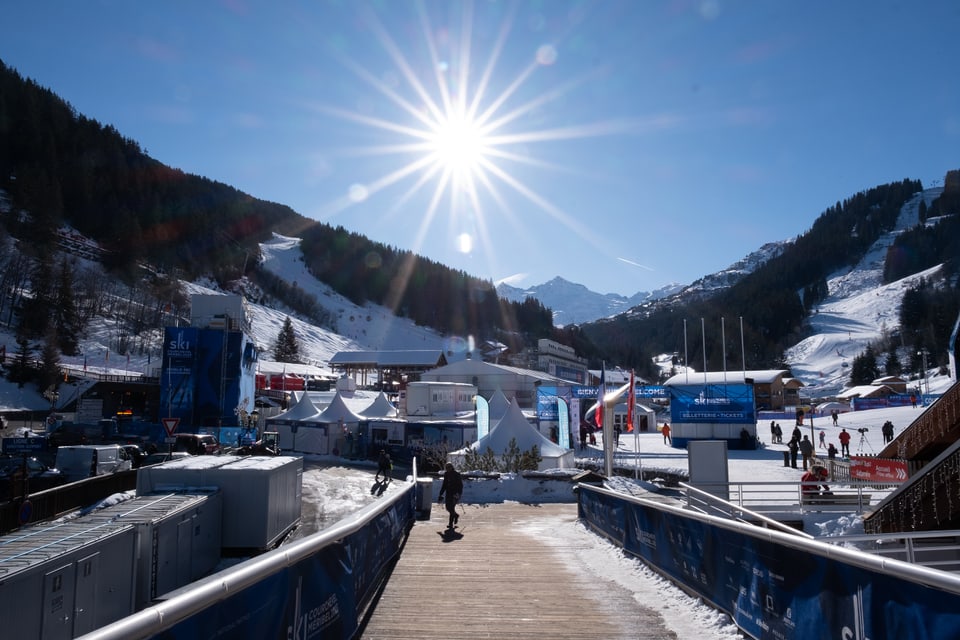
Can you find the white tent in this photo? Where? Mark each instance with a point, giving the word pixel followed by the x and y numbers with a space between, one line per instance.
pixel 298 429
pixel 343 427
pixel 380 408
pixel 498 405
pixel 512 426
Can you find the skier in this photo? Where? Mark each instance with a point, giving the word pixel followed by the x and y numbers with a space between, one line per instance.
pixel 452 488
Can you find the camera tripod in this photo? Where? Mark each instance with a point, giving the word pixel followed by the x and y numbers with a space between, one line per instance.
pixel 863 442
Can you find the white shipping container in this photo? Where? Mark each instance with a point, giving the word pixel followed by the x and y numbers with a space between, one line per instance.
pixel 178 538
pixel 65 580
pixel 263 498
pixel 261 494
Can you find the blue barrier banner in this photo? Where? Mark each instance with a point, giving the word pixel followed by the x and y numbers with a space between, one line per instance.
pixel 769 589
pixel 319 597
pixel 712 403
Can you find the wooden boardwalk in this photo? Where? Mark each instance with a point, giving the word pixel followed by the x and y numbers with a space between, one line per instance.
pixel 497 578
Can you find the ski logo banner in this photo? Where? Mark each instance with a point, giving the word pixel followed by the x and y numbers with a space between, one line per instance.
pixel 483 417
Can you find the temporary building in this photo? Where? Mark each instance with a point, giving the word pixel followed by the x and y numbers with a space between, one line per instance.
pixel 299 429
pixel 514 426
pixel 343 427
pixel 380 408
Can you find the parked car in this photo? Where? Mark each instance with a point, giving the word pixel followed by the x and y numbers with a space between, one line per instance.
pixel 12 465
pixel 163 456
pixel 136 454
pixel 86 461
pixel 197 444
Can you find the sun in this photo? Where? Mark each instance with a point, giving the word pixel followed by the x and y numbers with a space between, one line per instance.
pixel 459 144
pixel 463 134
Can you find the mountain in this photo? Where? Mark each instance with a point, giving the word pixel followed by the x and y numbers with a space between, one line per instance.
pixel 574 303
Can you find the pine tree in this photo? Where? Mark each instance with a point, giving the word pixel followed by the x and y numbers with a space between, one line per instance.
pixel 66 317
pixel 286 348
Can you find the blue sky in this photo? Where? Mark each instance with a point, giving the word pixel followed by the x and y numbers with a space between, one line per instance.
pixel 620 145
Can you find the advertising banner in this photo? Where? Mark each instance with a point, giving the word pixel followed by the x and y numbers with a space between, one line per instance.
pixel 483 417
pixel 878 470
pixel 563 427
pixel 177 380
pixel 773 590
pixel 712 403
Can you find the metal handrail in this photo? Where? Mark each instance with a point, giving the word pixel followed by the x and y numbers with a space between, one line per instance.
pixel 854 496
pixel 196 597
pixel 731 508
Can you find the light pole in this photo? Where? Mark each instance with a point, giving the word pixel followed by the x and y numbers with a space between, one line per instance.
pixel 926 383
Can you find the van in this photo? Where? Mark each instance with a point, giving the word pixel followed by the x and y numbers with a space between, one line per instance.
pixel 85 461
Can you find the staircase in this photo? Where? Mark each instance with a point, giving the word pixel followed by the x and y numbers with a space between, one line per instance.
pixel 928 501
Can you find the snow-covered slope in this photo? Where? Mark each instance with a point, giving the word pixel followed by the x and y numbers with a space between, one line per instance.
pixel 859 309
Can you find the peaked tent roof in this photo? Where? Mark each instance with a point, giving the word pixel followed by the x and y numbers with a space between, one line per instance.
pixel 304 409
pixel 380 408
pixel 498 404
pixel 514 425
pixel 338 411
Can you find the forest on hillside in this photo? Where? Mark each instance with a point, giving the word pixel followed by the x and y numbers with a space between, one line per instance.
pixel 151 224
pixel 772 303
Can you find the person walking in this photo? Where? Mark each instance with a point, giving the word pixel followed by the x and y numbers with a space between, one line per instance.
pixel 844 443
pixel 779 431
pixel 450 492
pixel 584 433
pixel 384 466
pixel 806 450
pixel 665 430
pixel 823 439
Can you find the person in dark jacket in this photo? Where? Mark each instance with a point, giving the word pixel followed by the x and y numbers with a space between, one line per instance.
pixel 384 466
pixel 451 489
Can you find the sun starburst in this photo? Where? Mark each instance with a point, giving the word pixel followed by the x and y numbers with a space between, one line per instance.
pixel 459 141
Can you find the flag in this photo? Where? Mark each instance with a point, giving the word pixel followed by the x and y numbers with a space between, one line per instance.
pixel 601 391
pixel 630 401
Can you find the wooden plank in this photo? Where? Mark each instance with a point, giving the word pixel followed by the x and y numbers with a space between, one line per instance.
pixel 493 579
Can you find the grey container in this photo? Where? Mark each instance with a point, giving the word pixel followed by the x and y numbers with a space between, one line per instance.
pixel 181 474
pixel 65 580
pixel 178 539
pixel 262 495
pixel 263 499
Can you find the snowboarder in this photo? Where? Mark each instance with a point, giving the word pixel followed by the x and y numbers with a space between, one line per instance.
pixel 452 489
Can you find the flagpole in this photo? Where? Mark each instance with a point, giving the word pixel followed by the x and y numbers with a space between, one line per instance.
pixel 723 345
pixel 743 352
pixel 703 331
pixel 686 363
